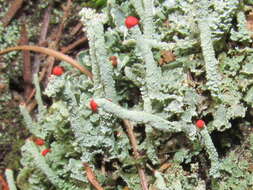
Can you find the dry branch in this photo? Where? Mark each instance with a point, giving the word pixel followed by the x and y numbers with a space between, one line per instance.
pixel 50 52
pixel 74 44
pixel 91 177
pixel 55 43
pixel 42 38
pixel 27 69
pixel 15 6
pixel 129 128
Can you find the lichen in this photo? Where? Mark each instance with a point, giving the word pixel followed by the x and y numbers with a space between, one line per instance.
pixel 209 79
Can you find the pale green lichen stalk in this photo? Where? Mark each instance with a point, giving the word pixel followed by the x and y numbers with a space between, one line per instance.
pixel 213 155
pixel 10 179
pixel 101 67
pixel 211 63
pixel 244 35
pixel 151 84
pixel 145 9
pixel 153 72
pixel 146 118
pixel 41 164
pixel 41 107
pixel 30 125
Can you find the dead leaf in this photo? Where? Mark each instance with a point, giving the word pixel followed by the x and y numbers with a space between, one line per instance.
pixel 166 57
pixel 250 21
pixel 250 168
pixel 165 166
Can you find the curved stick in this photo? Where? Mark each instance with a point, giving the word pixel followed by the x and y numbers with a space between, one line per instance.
pixel 91 177
pixel 50 52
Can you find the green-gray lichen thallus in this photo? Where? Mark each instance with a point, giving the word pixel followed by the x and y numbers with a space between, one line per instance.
pixel 210 79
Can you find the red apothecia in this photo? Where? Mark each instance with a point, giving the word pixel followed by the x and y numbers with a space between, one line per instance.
pixel 200 123
pixel 39 141
pixel 58 70
pixel 113 60
pixel 45 151
pixel 131 21
pixel 93 105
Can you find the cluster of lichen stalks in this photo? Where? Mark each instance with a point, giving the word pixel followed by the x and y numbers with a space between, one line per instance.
pixel 103 74
pixel 107 100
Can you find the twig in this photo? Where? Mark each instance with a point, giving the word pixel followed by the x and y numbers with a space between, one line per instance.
pixel 50 52
pixel 129 128
pixel 3 184
pixel 45 25
pixel 15 6
pixel 76 28
pixel 74 44
pixel 27 69
pixel 55 42
pixel 50 63
pixel 43 35
pixel 31 105
pixel 42 39
pixel 91 177
pixel 103 167
pixel 64 19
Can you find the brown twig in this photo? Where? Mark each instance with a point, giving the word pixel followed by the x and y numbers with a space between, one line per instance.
pixel 31 106
pixel 129 128
pixel 57 38
pixel 3 184
pixel 66 10
pixel 76 28
pixel 45 25
pixel 27 69
pixel 74 44
pixel 50 63
pixel 91 177
pixel 42 38
pixel 37 62
pixel 15 6
pixel 50 52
